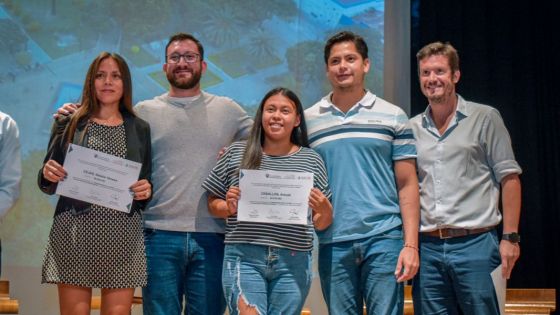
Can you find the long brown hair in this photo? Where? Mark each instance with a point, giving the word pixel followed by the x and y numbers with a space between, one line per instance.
pixel 90 103
pixel 253 152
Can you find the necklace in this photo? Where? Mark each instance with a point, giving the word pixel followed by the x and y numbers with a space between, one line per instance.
pixel 111 121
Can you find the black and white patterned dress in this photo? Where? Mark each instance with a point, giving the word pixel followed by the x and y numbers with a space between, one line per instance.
pixel 103 248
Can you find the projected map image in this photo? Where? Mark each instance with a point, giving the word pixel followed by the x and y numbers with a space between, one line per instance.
pixel 46 47
pixel 250 46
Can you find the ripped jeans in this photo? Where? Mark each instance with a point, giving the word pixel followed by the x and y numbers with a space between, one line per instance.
pixel 268 279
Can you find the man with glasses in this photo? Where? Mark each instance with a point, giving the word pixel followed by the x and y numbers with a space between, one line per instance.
pixel 184 243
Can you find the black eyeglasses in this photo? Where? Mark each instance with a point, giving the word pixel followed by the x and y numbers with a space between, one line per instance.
pixel 188 57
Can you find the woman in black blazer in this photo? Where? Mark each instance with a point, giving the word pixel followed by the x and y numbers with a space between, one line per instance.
pixel 91 246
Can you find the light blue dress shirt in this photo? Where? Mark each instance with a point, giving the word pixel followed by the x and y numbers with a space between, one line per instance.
pixel 460 171
pixel 10 163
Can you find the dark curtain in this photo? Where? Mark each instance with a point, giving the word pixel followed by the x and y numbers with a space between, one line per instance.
pixel 508 61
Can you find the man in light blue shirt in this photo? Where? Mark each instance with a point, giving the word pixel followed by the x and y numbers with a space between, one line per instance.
pixel 369 152
pixel 10 167
pixel 464 158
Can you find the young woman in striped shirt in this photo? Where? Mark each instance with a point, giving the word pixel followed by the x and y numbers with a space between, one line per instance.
pixel 267 266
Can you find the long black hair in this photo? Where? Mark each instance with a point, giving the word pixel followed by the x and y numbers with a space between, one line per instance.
pixel 253 153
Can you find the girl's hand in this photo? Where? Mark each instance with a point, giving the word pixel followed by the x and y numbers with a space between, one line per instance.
pixel 53 172
pixel 232 197
pixel 322 209
pixel 142 189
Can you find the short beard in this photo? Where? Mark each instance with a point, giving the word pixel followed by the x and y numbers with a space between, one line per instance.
pixel 436 99
pixel 446 97
pixel 184 85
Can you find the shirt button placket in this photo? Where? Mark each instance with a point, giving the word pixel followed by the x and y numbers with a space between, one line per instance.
pixel 438 175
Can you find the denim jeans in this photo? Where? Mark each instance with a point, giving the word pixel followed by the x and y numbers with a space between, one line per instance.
pixel 273 280
pixel 183 265
pixel 455 273
pixel 363 269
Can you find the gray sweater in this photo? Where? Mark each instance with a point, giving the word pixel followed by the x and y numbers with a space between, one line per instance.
pixel 187 134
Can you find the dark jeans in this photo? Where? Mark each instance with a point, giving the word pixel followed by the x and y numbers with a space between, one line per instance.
pixel 183 266
pixel 455 273
pixel 363 270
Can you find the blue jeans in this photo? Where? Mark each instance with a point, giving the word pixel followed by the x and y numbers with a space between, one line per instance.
pixel 363 269
pixel 183 265
pixel 455 273
pixel 273 280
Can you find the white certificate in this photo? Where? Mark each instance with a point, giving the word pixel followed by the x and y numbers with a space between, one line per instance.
pixel 274 197
pixel 98 178
pixel 500 285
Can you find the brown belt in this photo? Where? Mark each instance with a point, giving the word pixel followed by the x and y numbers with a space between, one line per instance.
pixel 450 232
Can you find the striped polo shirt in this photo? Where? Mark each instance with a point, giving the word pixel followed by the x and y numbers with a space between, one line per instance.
pixel 358 148
pixel 291 236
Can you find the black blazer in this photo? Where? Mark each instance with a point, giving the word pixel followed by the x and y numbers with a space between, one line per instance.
pixel 138 149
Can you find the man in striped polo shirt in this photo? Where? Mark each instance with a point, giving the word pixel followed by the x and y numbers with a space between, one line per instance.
pixel 369 152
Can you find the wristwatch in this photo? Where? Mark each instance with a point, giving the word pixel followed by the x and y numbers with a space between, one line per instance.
pixel 512 237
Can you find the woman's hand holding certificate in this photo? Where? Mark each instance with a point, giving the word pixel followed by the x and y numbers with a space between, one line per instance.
pixel 53 172
pixel 322 209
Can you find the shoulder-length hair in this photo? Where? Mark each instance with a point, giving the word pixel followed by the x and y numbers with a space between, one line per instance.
pixel 253 152
pixel 89 101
